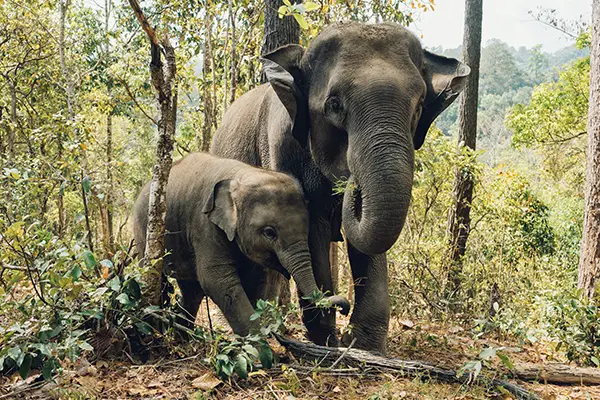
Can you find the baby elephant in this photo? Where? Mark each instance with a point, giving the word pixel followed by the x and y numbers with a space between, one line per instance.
pixel 226 221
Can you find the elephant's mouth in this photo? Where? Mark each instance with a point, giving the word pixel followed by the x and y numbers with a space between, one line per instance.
pixel 279 268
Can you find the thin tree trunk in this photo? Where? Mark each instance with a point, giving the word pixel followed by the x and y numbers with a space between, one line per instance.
pixel 232 52
pixel 590 245
pixel 64 8
pixel 13 120
pixel 109 228
pixel 279 32
pixel 64 5
pixel 204 144
pixel 334 262
pixel 225 69
pixel 459 221
pixel 163 80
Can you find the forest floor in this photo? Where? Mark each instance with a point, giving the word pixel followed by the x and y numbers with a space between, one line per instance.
pixel 172 377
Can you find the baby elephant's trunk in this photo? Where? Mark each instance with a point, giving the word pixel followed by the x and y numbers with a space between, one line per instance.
pixel 296 260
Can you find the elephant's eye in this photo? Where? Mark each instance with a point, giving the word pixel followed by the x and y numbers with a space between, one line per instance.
pixel 334 104
pixel 269 232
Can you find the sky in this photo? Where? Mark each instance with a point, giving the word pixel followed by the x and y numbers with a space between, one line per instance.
pixel 507 20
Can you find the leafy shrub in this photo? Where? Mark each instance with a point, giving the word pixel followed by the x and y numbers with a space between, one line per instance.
pixel 574 323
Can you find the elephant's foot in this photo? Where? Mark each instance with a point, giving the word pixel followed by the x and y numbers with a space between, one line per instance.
pixel 369 338
pixel 321 327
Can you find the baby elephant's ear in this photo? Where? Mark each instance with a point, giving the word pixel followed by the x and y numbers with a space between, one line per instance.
pixel 282 70
pixel 220 207
pixel 445 79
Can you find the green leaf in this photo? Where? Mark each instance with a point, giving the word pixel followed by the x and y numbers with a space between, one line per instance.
pixel 255 316
pixel 595 361
pixel 87 185
pixel 287 3
pixel 301 21
pixel 123 298
pixel 241 366
pixel 76 273
pixel 115 284
pixel 250 350
pixel 266 356
pixel 132 288
pixel 85 346
pixel 89 259
pixel 282 11
pixel 310 6
pixel 25 366
pixel 144 328
pixel 227 369
pixel 16 354
pixel 48 368
pixel 506 361
pixel 487 354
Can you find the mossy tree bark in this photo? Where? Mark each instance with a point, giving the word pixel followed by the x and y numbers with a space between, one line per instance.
pixel 163 81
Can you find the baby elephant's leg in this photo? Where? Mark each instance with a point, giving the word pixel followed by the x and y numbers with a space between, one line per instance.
pixel 222 284
pixel 192 295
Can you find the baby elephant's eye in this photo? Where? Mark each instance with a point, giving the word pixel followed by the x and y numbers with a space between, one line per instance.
pixel 269 232
pixel 334 104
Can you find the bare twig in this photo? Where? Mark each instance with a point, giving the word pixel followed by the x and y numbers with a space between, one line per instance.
pixel 343 354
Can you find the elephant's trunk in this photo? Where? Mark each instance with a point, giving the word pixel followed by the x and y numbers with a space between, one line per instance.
pixel 296 260
pixel 378 194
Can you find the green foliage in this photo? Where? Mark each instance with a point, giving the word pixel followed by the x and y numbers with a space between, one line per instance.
pixel 574 323
pixel 485 358
pixel 557 110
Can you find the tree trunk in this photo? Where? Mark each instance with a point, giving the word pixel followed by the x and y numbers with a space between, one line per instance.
pixel 334 263
pixel 107 220
pixel 13 120
pixel 459 221
pixel 64 6
pixel 207 71
pixel 232 53
pixel 163 80
pixel 590 245
pixel 278 31
pixel 109 241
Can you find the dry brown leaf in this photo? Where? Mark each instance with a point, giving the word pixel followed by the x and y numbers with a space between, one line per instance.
pixel 407 323
pixel 206 382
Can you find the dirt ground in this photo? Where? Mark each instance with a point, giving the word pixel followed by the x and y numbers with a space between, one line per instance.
pixel 173 377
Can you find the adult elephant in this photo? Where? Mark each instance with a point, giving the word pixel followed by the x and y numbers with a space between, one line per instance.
pixel 353 106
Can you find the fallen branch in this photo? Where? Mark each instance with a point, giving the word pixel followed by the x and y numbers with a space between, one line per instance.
pixel 362 360
pixel 557 373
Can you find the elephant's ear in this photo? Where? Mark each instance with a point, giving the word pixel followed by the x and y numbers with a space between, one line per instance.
pixel 445 79
pixel 282 70
pixel 220 207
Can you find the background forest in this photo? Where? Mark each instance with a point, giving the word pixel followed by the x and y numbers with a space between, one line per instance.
pixel 77 142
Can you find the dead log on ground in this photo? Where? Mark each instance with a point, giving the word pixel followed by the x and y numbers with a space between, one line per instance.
pixel 365 360
pixel 557 373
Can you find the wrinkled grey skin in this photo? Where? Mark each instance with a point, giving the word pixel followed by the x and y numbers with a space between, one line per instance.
pixel 226 221
pixel 355 104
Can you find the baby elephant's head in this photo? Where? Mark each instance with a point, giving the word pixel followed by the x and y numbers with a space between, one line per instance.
pixel 265 213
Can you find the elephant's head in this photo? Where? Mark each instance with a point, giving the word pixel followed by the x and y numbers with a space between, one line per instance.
pixel 362 97
pixel 265 214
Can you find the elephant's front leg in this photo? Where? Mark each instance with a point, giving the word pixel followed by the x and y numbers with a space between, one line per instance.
pixel 222 284
pixel 371 315
pixel 320 323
